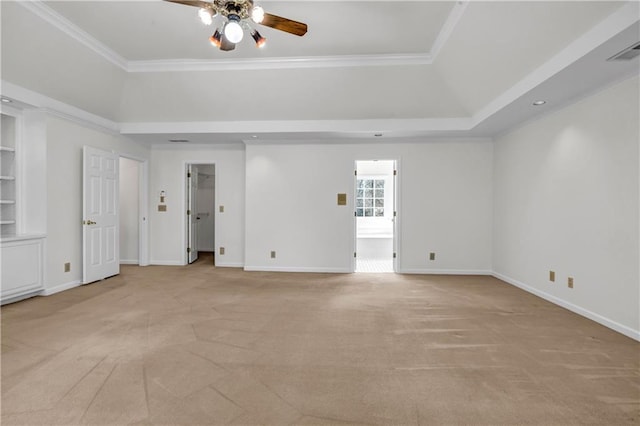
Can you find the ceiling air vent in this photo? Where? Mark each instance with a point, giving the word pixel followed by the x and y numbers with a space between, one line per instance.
pixel 628 53
pixel 179 140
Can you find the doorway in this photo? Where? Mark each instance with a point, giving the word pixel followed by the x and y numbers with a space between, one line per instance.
pixel 375 216
pixel 129 198
pixel 132 199
pixel 201 185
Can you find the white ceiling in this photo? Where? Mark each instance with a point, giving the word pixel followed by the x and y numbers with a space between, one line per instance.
pixel 406 69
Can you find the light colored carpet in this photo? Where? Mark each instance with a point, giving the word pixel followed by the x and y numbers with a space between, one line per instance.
pixel 204 345
pixel 374 265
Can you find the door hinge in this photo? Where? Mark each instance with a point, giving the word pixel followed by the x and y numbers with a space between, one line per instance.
pixel 188 174
pixel 354 254
pixel 394 255
pixel 395 214
pixel 355 172
pixel 188 212
pixel 188 249
pixel 395 172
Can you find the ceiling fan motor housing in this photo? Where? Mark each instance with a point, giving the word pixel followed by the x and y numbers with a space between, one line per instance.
pixel 241 8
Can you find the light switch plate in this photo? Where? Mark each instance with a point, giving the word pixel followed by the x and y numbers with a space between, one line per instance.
pixel 162 208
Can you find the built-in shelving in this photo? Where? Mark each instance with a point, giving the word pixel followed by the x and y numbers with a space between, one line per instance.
pixel 8 173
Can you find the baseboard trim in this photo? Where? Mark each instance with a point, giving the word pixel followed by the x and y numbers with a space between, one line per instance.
pixel 229 265
pixel 129 262
pixel 166 263
pixel 60 287
pixel 445 271
pixel 310 269
pixel 620 328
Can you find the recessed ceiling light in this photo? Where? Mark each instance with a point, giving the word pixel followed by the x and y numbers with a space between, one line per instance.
pixel 538 103
pixel 6 101
pixel 254 136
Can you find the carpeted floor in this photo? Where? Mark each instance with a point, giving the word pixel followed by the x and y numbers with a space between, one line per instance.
pixel 203 345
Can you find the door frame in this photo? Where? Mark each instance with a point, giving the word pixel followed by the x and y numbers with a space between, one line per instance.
pixel 184 221
pixel 143 207
pixel 397 208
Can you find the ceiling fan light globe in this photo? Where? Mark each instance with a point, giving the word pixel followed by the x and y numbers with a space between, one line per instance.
pixel 257 14
pixel 206 16
pixel 233 32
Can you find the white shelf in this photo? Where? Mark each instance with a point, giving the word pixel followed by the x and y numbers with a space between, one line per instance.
pixel 7 202
pixel 7 178
pixel 7 149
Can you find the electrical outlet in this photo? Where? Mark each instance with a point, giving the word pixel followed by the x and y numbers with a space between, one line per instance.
pixel 432 256
pixel 162 208
pixel 570 282
pixel 67 267
pixel 273 254
pixel 221 251
pixel 221 209
pixel 552 276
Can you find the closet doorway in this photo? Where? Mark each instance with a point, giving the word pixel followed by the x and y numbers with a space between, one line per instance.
pixel 375 216
pixel 201 191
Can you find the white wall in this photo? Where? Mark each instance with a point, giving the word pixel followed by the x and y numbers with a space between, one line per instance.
pixel 129 206
pixel 445 205
pixel 65 140
pixel 566 199
pixel 167 229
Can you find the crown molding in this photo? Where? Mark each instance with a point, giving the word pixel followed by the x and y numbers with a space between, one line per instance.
pixel 238 64
pixel 63 24
pixel 40 9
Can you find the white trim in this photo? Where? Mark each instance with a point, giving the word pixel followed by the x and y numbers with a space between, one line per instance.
pixel 311 269
pixel 229 265
pixel 387 126
pixel 616 326
pixel 129 262
pixel 448 27
pixel 167 263
pixel 298 62
pixel 445 271
pixel 72 30
pixel 60 287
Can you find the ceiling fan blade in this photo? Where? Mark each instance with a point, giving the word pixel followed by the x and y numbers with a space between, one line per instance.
pixel 195 3
pixel 226 45
pixel 284 24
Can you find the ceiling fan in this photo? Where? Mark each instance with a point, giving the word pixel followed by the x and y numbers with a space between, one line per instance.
pixel 236 16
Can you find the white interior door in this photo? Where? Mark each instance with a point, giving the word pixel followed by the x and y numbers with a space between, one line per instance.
pixel 100 224
pixel 395 216
pixel 192 223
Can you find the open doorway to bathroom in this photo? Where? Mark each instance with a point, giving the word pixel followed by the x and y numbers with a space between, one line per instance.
pixel 375 201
